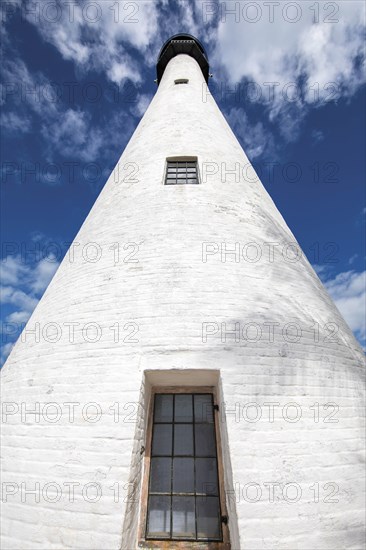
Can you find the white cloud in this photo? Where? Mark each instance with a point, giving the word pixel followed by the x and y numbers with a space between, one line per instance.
pixel 43 273
pixel 22 286
pixel 15 272
pixel 300 57
pixel 70 132
pixel 348 290
pixel 187 17
pixel 26 89
pixel 95 34
pixel 321 270
pixel 317 136
pixel 16 297
pixel 143 101
pixel 328 51
pixel 304 54
pixel 73 134
pixel 255 138
pixel 280 51
pixel 12 270
pixel 15 123
pixel 347 284
pixel 352 259
pixel 119 71
pixel 38 236
pixel 19 317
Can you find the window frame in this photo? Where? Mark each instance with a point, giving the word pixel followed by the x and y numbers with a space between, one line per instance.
pixel 165 544
pixel 181 159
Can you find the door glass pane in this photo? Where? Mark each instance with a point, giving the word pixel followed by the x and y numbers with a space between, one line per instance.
pixel 183 439
pixel 158 520
pixel 206 476
pixel 160 475
pixel 163 408
pixel 183 517
pixel 203 408
pixel 183 502
pixel 183 475
pixel 208 517
pixel 183 408
pixel 162 439
pixel 205 440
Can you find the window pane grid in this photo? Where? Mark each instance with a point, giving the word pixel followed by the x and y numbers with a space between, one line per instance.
pixel 181 172
pixel 192 510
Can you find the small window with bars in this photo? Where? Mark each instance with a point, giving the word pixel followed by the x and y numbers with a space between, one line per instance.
pixel 183 489
pixel 181 172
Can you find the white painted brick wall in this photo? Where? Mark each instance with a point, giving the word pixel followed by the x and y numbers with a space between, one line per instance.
pixel 169 293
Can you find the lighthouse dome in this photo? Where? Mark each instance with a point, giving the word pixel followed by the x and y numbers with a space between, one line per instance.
pixel 178 44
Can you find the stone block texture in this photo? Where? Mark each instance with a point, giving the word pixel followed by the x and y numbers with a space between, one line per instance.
pixel 150 294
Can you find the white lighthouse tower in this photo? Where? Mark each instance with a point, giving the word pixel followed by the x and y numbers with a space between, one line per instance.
pixel 185 381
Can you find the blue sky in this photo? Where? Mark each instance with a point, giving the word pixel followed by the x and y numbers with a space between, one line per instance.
pixel 77 77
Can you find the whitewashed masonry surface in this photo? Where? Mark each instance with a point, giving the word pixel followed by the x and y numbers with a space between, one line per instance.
pixel 173 306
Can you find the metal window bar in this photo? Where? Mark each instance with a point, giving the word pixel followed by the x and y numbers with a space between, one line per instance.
pixel 181 172
pixel 193 456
